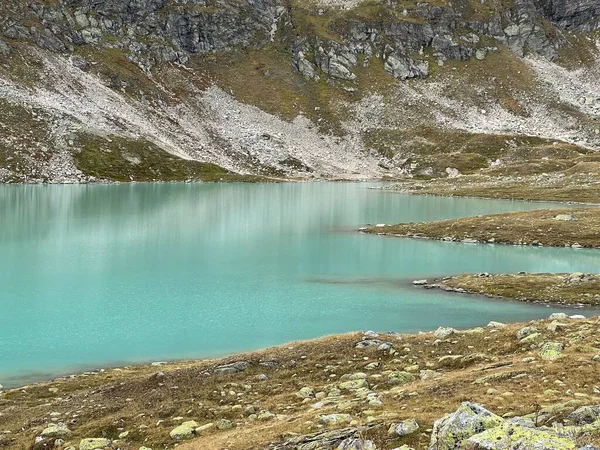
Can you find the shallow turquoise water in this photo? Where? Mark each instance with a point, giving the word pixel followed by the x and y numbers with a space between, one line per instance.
pixel 102 275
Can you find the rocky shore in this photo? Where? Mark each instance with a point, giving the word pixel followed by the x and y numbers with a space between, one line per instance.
pixel 528 386
pixel 574 289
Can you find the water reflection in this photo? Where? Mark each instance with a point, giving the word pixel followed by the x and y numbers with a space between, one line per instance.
pixel 91 275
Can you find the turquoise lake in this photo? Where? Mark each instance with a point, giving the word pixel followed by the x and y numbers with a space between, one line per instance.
pixel 104 275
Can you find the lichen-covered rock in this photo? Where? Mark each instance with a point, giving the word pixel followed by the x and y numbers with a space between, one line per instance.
pixel 335 419
pixel 449 360
pixel 584 415
pixel 224 424
pixel 55 430
pixel 532 338
pixel 305 392
pixel 451 431
pixel 266 416
pixel 184 431
pixel 516 437
pixel 403 428
pixel 400 377
pixel 353 384
pixel 526 331
pixel 94 444
pixel 551 351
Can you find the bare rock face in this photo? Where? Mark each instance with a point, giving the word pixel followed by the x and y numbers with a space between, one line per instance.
pixel 578 15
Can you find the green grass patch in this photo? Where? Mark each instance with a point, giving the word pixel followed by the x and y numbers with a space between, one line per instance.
pixel 121 159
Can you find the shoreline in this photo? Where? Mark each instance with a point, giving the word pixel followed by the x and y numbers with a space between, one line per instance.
pixel 476 197
pixel 295 389
pixel 135 365
pixel 560 228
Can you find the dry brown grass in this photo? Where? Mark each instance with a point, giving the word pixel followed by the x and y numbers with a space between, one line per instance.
pixel 532 287
pixel 579 183
pixel 522 228
pixel 137 400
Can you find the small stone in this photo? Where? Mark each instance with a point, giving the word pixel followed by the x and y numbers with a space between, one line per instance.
pixel 184 431
pixel 496 325
pixel 532 339
pixel 556 326
pixel 225 424
pixel 429 374
pixel 335 419
pixel 305 392
pixel 444 332
pixel 565 217
pixel 400 377
pixel 266 415
pixel 202 428
pixel 558 316
pixel 123 435
pixel 526 331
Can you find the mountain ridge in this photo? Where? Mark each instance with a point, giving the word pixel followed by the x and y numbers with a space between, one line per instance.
pixel 309 90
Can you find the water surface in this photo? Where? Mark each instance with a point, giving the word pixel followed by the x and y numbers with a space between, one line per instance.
pixel 100 275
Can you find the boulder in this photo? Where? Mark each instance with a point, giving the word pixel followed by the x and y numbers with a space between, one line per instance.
pixel 403 428
pixel 452 431
pixel 94 444
pixel 516 437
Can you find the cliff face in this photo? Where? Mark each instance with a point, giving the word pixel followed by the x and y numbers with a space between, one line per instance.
pixel 317 62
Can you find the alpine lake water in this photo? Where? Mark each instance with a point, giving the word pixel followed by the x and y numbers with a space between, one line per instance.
pixel 108 275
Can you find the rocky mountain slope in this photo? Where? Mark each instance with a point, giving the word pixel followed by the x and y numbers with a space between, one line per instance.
pixel 206 89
